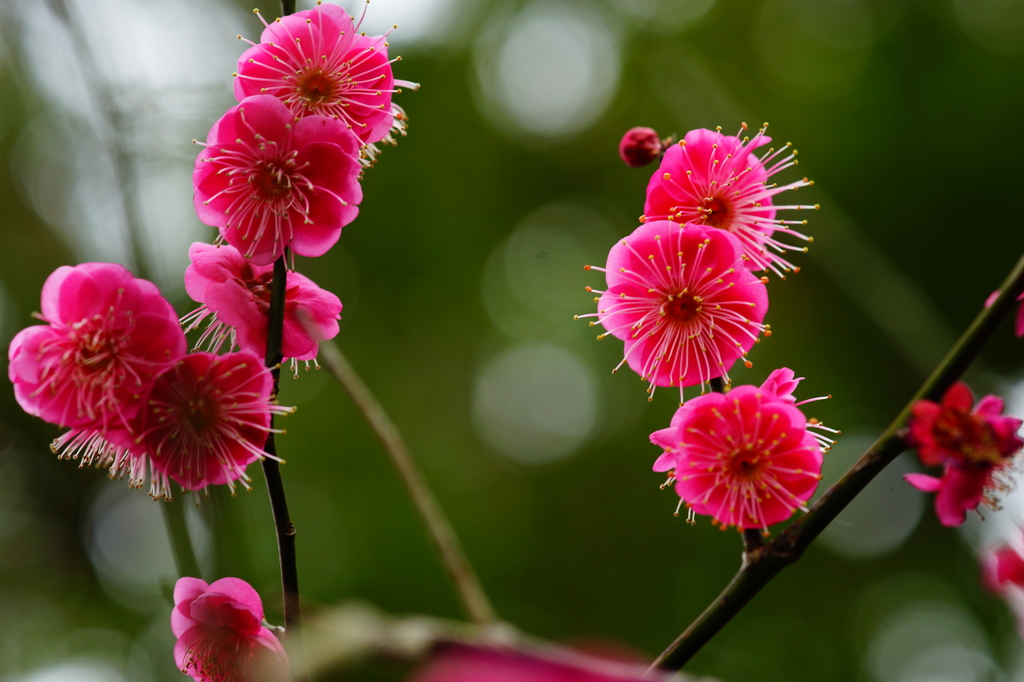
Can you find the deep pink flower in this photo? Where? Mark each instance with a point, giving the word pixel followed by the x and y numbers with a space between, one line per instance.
pixel 221 636
pixel 1003 568
pixel 682 301
pixel 236 298
pixel 270 182
pixel 466 664
pixel 719 181
pixel 639 146
pixel 976 445
pixel 317 62
pixel 746 458
pixel 206 419
pixel 108 336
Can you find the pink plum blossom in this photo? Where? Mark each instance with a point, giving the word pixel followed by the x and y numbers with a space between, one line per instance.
pixel 639 147
pixel 746 458
pixel 458 663
pixel 107 337
pixel 974 444
pixel 720 181
pixel 683 302
pixel 206 419
pixel 269 182
pixel 318 63
pixel 235 295
pixel 221 636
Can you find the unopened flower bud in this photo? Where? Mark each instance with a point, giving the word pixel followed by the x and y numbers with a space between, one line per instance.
pixel 640 146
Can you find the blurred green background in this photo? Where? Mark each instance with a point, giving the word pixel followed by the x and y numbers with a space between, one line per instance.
pixel 460 278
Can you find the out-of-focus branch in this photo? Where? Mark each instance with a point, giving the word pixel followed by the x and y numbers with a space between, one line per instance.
pixel 112 136
pixel 354 632
pixel 446 542
pixel 761 564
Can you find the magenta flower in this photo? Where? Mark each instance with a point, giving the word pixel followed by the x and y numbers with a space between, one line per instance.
pixel 975 445
pixel 719 181
pixel 269 182
pixel 318 63
pixel 236 303
pixel 639 147
pixel 683 302
pixel 107 338
pixel 466 664
pixel 221 636
pixel 746 458
pixel 206 419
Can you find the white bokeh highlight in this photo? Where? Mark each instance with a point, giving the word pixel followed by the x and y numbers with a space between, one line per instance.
pixel 549 71
pixel 929 642
pixel 535 403
pixel 882 517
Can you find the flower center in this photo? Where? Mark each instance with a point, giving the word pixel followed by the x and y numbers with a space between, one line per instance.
pixel 745 464
pixel 316 88
pixel 260 286
pixel 199 414
pixel 681 307
pixel 271 180
pixel 717 213
pixel 962 432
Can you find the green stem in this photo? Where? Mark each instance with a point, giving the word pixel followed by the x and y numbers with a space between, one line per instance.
pixel 446 542
pixel 762 563
pixel 181 543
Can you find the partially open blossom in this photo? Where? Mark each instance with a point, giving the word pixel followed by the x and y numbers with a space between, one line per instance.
pixel 221 636
pixel 318 63
pixel 975 445
pixel 235 295
pixel 683 302
pixel 206 419
pixel 639 147
pixel 747 458
pixel 719 181
pixel 477 664
pixel 268 182
pixel 107 338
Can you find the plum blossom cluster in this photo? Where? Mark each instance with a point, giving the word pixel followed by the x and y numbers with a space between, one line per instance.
pixel 682 294
pixel 278 176
pixel 110 364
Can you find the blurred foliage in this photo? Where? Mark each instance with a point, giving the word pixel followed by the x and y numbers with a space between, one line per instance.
pixel 905 121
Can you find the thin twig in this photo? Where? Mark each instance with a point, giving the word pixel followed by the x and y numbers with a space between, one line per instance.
pixel 764 563
pixel 275 485
pixel 446 542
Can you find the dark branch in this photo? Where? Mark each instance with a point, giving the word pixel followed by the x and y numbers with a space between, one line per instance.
pixel 764 563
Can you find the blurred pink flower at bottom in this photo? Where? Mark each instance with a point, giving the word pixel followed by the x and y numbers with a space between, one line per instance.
pixel 467 664
pixel 221 636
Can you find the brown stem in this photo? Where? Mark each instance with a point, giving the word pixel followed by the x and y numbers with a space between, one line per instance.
pixel 446 542
pixel 761 564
